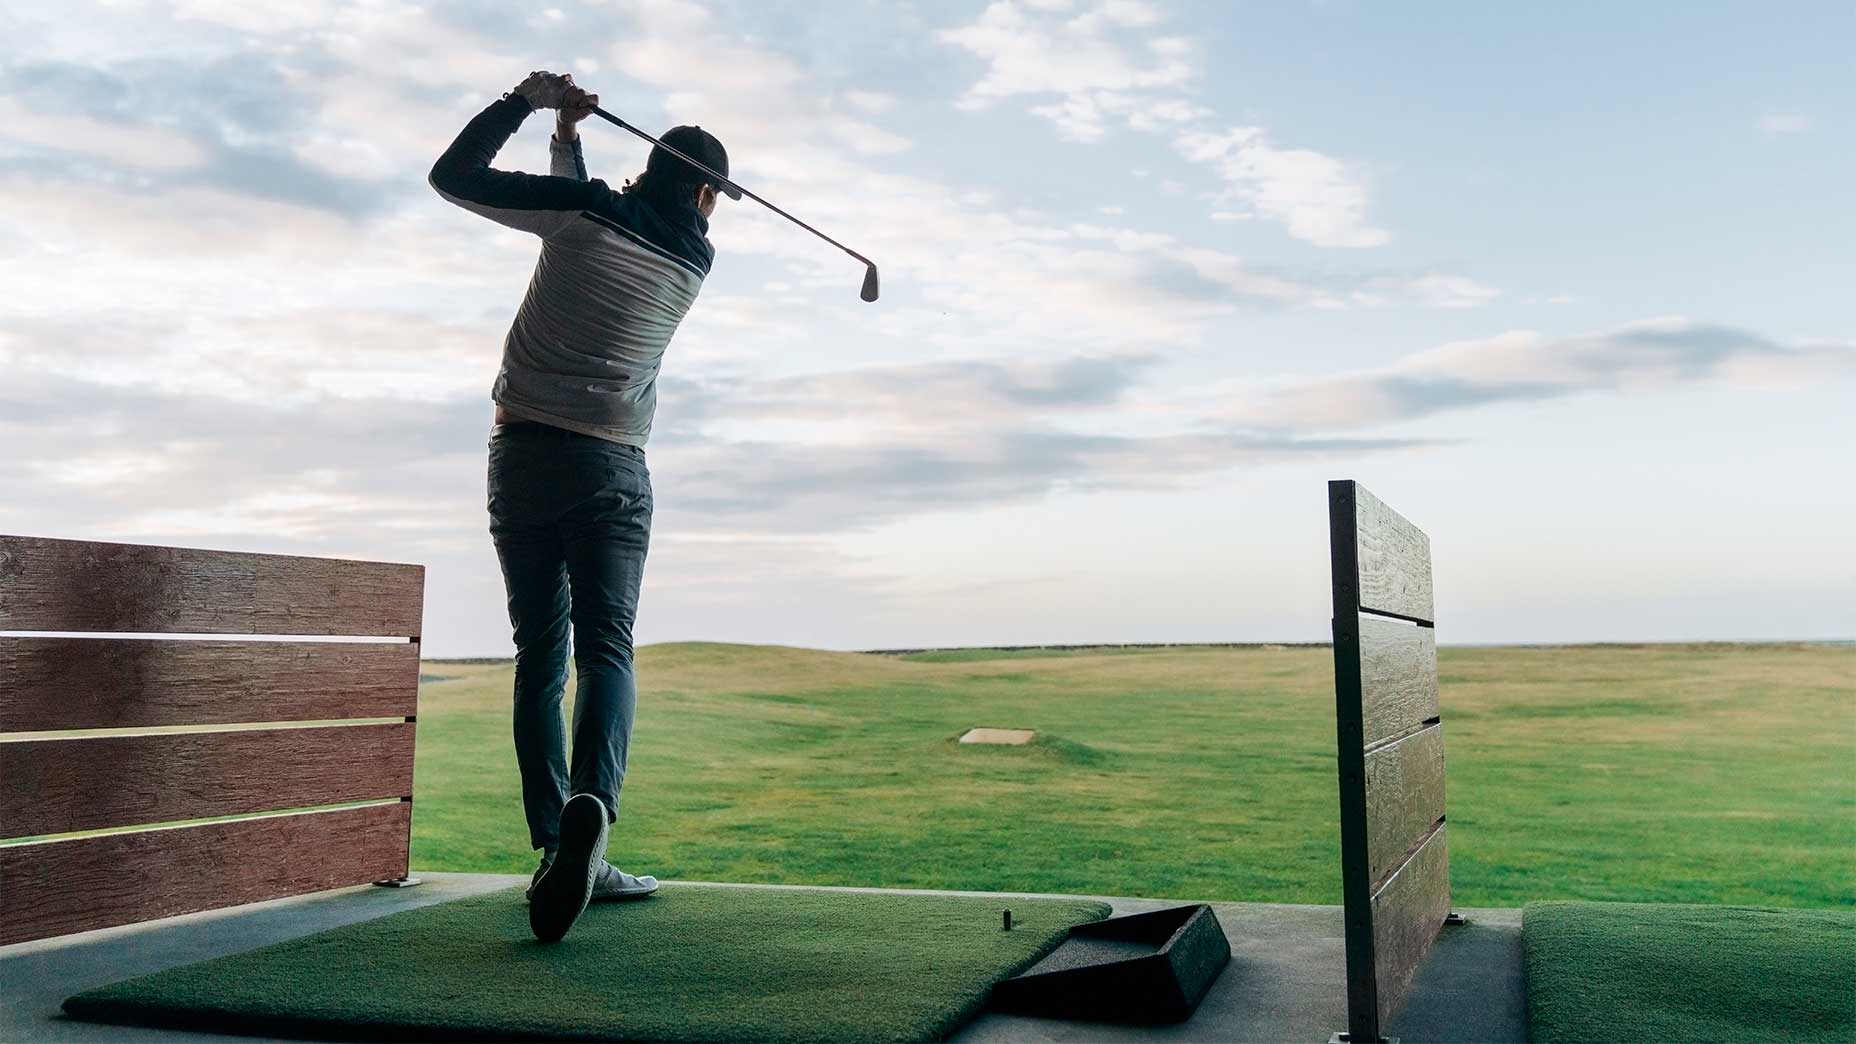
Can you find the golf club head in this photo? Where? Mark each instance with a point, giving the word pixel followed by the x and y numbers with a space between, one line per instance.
pixel 869 290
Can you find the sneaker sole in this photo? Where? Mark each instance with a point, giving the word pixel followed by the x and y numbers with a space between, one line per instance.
pixel 562 894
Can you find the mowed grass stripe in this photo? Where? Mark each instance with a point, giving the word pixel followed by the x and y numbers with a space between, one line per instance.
pixel 1712 773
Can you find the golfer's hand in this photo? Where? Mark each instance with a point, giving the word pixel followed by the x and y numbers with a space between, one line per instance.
pixel 544 90
pixel 576 104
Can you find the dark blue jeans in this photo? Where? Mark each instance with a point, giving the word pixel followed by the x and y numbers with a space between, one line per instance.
pixel 571 518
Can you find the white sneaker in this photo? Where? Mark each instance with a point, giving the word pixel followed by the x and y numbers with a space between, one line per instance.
pixel 613 883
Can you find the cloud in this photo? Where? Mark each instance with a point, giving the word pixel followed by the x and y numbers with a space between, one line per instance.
pixel 1085 59
pixel 155 465
pixel 873 102
pixel 936 391
pixel 851 449
pixel 274 453
pixel 817 453
pixel 277 338
pixel 1315 196
pixel 989 277
pixel 158 125
pixel 281 341
pixel 1525 366
pixel 774 487
pixel 252 172
pixel 1109 64
pixel 1778 124
pixel 856 448
pixel 76 139
pixel 1450 291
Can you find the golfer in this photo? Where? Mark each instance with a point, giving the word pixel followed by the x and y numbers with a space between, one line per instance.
pixel 569 495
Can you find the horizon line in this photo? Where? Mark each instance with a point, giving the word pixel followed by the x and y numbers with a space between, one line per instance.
pixel 1084 646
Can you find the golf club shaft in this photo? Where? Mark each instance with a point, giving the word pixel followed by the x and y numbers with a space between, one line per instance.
pixel 722 180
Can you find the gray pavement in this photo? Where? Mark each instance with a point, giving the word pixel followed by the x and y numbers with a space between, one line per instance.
pixel 1285 982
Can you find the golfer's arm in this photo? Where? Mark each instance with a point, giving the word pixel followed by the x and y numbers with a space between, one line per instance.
pixel 565 159
pixel 530 202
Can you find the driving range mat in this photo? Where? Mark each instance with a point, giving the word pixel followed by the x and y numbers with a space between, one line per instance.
pixel 1644 972
pixel 692 963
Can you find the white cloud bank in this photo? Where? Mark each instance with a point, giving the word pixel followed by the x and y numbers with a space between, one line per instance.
pixel 1529 366
pixel 235 315
pixel 1113 62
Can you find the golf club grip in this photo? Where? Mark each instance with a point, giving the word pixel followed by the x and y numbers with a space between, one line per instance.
pixel 615 121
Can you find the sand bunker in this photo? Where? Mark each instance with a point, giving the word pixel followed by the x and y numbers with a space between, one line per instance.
pixel 1010 737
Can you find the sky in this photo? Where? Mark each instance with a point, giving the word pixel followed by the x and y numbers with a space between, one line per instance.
pixel 1569 286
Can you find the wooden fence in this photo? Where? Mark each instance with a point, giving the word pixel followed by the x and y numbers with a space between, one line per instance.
pixel 1395 868
pixel 87 746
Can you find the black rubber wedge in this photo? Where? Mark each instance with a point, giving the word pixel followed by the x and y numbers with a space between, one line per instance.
pixel 562 893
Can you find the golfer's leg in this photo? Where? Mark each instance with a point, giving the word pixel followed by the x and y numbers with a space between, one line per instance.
pixel 605 539
pixel 535 578
pixel 537 586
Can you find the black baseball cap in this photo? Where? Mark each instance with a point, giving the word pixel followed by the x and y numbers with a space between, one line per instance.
pixel 697 144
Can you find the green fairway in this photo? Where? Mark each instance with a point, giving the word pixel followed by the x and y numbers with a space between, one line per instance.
pixel 1713 773
pixel 1602 972
pixel 692 963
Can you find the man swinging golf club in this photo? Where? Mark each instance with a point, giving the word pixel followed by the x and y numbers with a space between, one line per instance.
pixel 569 495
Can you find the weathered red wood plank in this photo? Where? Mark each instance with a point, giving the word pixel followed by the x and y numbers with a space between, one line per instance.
pixel 59 887
pixel 76 585
pixel 93 783
pixel 1395 560
pixel 98 683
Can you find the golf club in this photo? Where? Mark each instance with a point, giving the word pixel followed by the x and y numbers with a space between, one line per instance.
pixel 735 191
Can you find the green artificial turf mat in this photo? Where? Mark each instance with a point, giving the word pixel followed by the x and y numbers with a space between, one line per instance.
pixel 692 963
pixel 1651 972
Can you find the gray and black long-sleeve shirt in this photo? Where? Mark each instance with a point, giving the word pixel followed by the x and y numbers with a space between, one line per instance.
pixel 616 275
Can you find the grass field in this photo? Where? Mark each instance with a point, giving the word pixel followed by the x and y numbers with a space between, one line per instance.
pixel 1698 774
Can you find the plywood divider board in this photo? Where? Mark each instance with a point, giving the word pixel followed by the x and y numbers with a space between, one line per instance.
pixel 1398 678
pixel 57 786
pixel 53 683
pixel 1404 798
pixel 1394 560
pixel 1390 752
pixel 58 887
pixel 77 585
pixel 1408 910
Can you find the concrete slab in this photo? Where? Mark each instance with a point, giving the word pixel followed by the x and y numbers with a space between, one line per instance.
pixel 1471 985
pixel 1285 981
